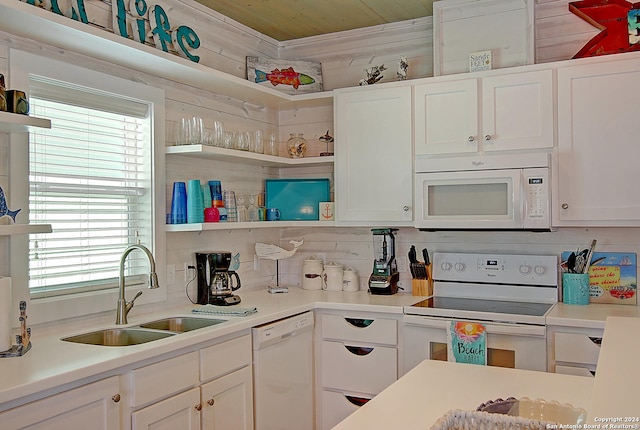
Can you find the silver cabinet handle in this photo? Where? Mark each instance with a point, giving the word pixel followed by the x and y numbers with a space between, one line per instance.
pixel 565 206
pixel 471 139
pixel 405 208
pixel 487 137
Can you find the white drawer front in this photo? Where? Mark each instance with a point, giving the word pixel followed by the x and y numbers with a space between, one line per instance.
pixel 225 357
pixel 371 372
pixel 375 330
pixel 336 406
pixel 577 348
pixel 163 379
pixel 574 370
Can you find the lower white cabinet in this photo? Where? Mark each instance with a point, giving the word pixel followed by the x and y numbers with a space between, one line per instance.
pixel 181 411
pixel 358 358
pixel 227 402
pixel 208 389
pixel 573 350
pixel 93 406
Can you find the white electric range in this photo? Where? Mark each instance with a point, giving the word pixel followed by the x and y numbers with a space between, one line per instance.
pixel 509 294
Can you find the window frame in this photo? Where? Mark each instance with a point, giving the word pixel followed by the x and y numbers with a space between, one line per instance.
pixel 21 66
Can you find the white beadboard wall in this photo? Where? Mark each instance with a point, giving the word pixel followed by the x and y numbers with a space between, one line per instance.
pixel 344 56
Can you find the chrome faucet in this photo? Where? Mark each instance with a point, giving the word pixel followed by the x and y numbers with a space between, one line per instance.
pixel 123 306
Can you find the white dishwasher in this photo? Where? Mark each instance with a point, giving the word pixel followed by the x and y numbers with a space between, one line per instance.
pixel 283 374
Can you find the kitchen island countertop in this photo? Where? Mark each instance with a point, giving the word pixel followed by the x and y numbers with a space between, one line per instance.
pixel 432 388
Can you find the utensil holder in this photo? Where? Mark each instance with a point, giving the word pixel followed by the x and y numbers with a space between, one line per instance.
pixel 575 288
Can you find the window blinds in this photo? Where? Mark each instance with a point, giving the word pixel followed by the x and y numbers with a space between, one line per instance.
pixel 90 178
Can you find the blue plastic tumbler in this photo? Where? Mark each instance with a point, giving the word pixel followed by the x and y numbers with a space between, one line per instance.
pixel 195 204
pixel 178 213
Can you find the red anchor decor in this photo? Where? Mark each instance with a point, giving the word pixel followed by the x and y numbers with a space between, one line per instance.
pixel 618 22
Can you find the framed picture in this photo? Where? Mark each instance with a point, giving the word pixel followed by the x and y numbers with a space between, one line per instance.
pixel 290 77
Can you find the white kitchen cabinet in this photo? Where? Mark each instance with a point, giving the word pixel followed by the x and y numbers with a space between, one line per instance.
pixel 573 350
pixel 501 112
pixel 181 411
pixel 597 151
pixel 227 402
pixel 92 406
pixel 358 358
pixel 373 156
pixel 208 389
pixel 462 27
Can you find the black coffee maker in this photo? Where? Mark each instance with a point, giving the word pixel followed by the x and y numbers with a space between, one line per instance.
pixel 215 280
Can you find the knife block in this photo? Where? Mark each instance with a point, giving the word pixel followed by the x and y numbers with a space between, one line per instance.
pixel 423 287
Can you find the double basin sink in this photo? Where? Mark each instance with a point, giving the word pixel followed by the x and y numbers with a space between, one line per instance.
pixel 143 333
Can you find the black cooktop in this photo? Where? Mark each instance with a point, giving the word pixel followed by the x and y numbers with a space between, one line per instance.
pixel 488 306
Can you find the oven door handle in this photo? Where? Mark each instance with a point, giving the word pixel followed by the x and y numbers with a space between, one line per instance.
pixel 492 328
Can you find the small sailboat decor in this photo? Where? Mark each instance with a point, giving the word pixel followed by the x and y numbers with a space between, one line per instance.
pixel 4 209
pixel 274 252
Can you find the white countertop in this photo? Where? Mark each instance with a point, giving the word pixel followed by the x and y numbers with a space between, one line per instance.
pixel 53 363
pixel 615 391
pixel 593 315
pixel 432 388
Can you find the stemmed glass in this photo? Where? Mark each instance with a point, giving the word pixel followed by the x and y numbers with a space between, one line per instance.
pixel 253 209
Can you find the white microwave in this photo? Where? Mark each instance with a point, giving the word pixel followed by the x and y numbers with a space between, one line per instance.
pixel 487 192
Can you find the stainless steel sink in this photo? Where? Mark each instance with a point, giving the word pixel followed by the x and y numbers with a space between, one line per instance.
pixel 181 324
pixel 118 337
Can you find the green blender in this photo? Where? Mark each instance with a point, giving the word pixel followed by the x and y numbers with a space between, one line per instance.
pixel 384 278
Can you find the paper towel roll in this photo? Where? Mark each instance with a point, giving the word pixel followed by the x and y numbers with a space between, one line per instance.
pixel 5 314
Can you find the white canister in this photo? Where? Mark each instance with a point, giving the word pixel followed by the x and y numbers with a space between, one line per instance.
pixel 312 274
pixel 350 280
pixel 332 277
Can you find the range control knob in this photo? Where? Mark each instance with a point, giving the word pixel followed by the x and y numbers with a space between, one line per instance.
pixel 525 269
pixel 540 270
pixel 459 267
pixel 446 266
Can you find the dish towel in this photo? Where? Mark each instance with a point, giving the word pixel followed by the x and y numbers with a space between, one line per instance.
pixel 224 310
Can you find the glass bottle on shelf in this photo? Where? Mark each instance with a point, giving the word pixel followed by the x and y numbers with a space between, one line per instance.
pixel 243 214
pixel 253 208
pixel 297 145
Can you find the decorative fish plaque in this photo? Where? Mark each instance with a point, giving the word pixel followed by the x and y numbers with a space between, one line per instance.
pixel 290 77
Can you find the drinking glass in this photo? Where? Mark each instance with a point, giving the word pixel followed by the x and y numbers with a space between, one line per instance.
pixel 271 148
pixel 196 129
pixel 227 140
pixel 182 132
pixel 240 141
pixel 258 143
pixel 217 133
pixel 195 204
pixel 230 205
pixel 178 213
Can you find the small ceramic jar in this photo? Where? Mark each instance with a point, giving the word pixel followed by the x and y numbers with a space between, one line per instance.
pixel 350 280
pixel 332 277
pixel 312 274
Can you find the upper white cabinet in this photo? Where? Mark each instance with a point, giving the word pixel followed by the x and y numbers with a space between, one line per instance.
pixel 494 113
pixel 597 145
pixel 462 27
pixel 373 157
